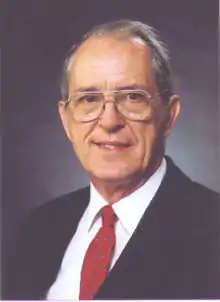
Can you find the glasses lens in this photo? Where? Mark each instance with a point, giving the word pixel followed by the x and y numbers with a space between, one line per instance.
pixel 134 104
pixel 86 106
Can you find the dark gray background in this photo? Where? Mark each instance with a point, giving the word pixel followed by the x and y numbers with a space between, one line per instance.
pixel 38 162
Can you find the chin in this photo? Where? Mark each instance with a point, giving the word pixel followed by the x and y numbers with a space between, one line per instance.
pixel 112 175
pixel 108 174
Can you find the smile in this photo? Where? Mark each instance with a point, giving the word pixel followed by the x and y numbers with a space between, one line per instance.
pixel 112 145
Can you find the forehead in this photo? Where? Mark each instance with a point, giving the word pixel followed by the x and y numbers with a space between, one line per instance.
pixel 111 61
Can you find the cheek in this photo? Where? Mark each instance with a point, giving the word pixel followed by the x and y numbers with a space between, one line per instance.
pixel 144 135
pixel 147 137
pixel 78 134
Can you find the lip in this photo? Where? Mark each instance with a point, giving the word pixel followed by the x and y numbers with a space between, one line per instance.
pixel 112 145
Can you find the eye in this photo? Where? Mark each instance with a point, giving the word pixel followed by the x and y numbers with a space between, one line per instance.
pixel 136 96
pixel 87 98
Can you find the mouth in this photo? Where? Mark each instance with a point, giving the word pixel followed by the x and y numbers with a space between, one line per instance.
pixel 117 146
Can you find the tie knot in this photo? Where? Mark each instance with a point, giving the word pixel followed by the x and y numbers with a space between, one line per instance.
pixel 108 216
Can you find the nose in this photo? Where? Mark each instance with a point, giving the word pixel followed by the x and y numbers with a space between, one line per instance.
pixel 110 119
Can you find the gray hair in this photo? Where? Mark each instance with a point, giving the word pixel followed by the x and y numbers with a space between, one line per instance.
pixel 159 51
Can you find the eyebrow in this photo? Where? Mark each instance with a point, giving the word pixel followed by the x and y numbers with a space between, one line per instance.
pixel 126 87
pixel 85 89
pixel 133 87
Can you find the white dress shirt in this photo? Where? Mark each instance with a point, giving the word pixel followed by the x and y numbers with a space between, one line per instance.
pixel 129 211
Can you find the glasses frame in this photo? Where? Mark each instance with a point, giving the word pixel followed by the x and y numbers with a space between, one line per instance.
pixel 148 98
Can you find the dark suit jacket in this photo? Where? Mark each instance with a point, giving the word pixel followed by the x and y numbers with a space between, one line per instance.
pixel 174 252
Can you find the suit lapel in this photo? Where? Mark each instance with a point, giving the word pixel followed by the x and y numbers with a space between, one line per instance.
pixel 60 228
pixel 68 217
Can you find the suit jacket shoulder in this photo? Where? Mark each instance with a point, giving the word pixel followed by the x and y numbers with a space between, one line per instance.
pixel 67 207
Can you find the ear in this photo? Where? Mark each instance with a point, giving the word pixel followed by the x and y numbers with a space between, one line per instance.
pixel 173 113
pixel 64 117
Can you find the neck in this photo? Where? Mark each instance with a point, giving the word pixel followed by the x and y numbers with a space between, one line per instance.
pixel 113 191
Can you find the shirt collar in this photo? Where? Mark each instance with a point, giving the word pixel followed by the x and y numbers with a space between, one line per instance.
pixel 96 203
pixel 129 209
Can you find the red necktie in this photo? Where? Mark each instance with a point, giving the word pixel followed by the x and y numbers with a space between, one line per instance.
pixel 98 256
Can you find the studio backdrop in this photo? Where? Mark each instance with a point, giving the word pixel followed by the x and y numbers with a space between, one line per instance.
pixel 38 161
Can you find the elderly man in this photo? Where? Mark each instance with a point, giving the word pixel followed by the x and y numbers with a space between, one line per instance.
pixel 143 229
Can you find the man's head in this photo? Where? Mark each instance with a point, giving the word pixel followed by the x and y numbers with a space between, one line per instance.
pixel 122 55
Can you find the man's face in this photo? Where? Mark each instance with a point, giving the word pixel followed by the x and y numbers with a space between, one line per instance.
pixel 113 148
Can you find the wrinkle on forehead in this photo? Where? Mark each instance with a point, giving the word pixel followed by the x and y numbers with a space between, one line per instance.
pixel 112 40
pixel 110 61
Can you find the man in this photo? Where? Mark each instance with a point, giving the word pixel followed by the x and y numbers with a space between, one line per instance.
pixel 143 230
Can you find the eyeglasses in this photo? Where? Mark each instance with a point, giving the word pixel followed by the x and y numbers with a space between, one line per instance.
pixel 135 105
